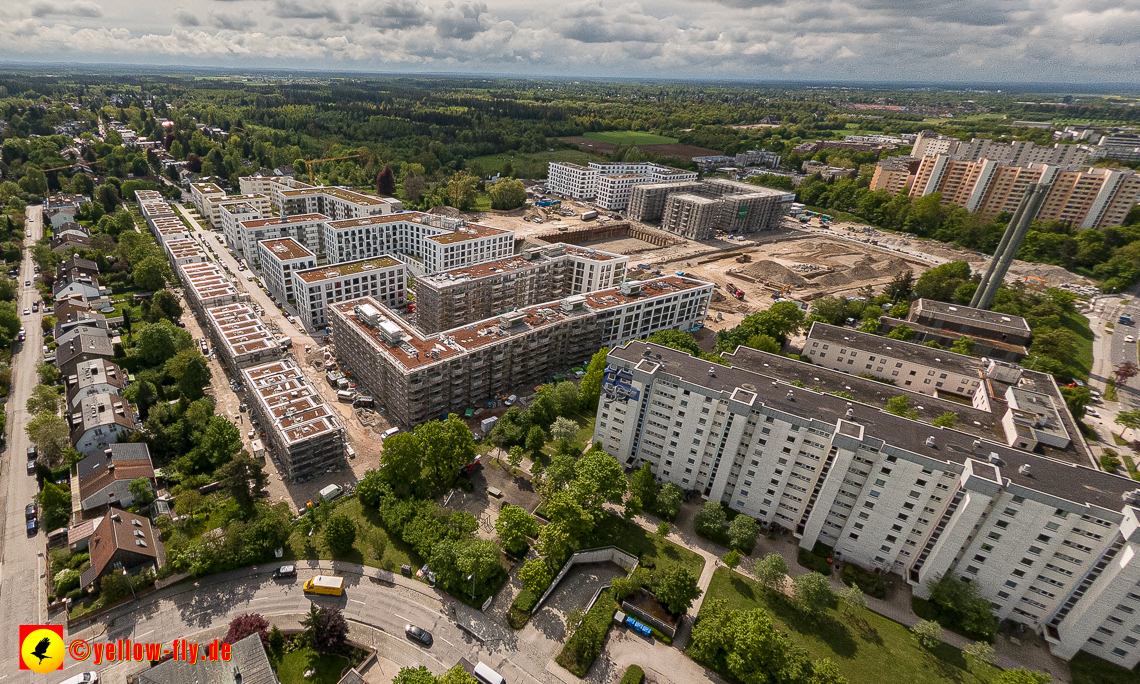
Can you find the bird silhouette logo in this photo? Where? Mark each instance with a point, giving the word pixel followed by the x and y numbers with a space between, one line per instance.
pixel 41 648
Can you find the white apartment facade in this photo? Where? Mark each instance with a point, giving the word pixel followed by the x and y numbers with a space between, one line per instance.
pixel 336 203
pixel 434 243
pixel 184 251
pixel 201 194
pixel 1050 544
pixel 572 180
pixel 234 214
pixel 279 259
pixel 382 278
pixel 306 229
pixel 214 206
pixel 609 183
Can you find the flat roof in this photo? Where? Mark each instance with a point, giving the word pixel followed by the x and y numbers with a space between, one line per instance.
pixel 932 330
pixel 238 199
pixel 339 193
pixel 897 349
pixel 207 281
pixel 516 263
pixel 315 275
pixel 471 231
pixel 283 220
pixel 1078 484
pixel 415 351
pixel 286 249
pixel 241 331
pixel 207 188
pixel 297 411
pixel 992 319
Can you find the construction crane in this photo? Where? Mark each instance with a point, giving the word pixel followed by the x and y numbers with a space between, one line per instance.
pixel 309 163
pixel 61 168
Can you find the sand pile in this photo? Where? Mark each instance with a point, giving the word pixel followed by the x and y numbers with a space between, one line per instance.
pixel 770 270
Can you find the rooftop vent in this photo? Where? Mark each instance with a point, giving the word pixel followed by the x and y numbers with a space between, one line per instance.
pixel 850 414
pixel 1132 497
pixel 790 395
pixel 712 372
pixel 995 458
pixel 930 441
pixel 977 444
pixel 1024 469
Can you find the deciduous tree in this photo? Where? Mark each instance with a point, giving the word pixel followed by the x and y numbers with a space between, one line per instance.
pixel 340 534
pixel 676 587
pixel 246 624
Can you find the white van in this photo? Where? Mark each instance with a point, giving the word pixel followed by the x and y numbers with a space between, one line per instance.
pixel 486 675
pixel 511 400
pixel 83 678
pixel 331 492
pixel 389 432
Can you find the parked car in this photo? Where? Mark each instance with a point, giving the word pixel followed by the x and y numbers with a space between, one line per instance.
pixel 285 571
pixel 30 512
pixel 36 306
pixel 27 311
pixel 28 283
pixel 31 467
pixel 33 527
pixel 418 634
pixel 1090 411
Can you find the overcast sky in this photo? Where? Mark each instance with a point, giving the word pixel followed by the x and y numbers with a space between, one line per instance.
pixel 903 40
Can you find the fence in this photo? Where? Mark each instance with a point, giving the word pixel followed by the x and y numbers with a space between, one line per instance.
pixel 600 555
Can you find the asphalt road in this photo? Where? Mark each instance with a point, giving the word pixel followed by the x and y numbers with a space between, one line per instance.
pixel 1120 350
pixel 22 594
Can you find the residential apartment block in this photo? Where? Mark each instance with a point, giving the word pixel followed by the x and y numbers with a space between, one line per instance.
pixel 279 259
pixel 894 174
pixel 609 183
pixel 1050 544
pixel 996 335
pixel 302 431
pixel 433 243
pixel 541 274
pixel 336 203
pixel 418 377
pixel 1093 198
pixel 383 278
pixel 201 194
pixel 1123 147
pixel 232 216
pixel 206 286
pixel 184 251
pixel 240 337
pixel 929 144
pixel 698 210
pixel 306 229
pixel 215 205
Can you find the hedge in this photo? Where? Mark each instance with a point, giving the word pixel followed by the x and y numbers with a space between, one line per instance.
pixel 633 675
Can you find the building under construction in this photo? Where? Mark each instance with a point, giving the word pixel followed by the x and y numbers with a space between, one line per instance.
pixel 418 377
pixel 698 210
pixel 540 274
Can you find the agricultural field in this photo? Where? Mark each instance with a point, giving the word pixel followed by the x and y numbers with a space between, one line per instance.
pixel 531 164
pixel 629 138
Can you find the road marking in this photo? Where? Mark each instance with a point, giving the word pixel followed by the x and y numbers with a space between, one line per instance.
pixel 446 642
pixel 355 601
pixel 139 636
pixel 401 617
pixel 260 598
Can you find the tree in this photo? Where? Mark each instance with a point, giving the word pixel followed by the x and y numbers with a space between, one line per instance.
pixel 340 534
pixel 710 521
pixel 663 529
pixel 479 561
pixel 771 571
pixel 829 309
pixel 853 599
pixel 978 654
pixel 220 442
pixel 742 533
pixel 591 387
pixel 48 374
pixel 462 190
pixel 325 629
pixel 1077 399
pixel 244 625
pixel 669 499
pixel 56 503
pixel 151 273
pixel 188 503
pixel 554 542
pixel 114 587
pixel 900 406
pixel 276 641
pixel 643 485
pixel 44 398
pixel 507 193
pixel 457 675
pixel 563 429
pixel 386 182
pixel 901 287
pixel 155 343
pixel 1128 420
pixel 400 462
pixel 598 478
pixel 513 526
pixel 163 305
pixel 948 420
pixel 244 479
pixel 963 345
pixel 414 186
pixel 140 490
pixel 960 600
pixel 535 440
pixel 940 282
pixel 903 332
pixel 812 592
pixel 49 432
pixel 190 371
pixel 1022 676
pixel 515 456
pixel 1124 372
pixel 676 339
pixel 535 576
pixel 928 633
pixel 676 587
pixel 732 558
pixel 447 447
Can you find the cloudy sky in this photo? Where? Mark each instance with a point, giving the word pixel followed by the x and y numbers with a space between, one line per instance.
pixel 901 40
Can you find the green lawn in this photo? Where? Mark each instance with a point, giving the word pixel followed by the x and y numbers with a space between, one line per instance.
pixel 613 530
pixel 369 534
pixel 1079 326
pixel 629 138
pixel 531 164
pixel 292 666
pixel 868 650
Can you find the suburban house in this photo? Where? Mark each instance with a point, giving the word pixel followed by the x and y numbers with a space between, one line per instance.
pixel 105 478
pixel 97 376
pixel 101 420
pixel 84 346
pixel 121 542
pixel 248 664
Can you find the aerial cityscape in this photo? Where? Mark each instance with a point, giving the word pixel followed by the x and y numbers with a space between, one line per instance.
pixel 463 343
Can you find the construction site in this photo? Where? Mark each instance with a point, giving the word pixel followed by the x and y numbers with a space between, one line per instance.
pixel 799 262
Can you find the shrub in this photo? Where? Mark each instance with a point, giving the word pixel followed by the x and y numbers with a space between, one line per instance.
pixel 871 583
pixel 813 562
pixel 633 675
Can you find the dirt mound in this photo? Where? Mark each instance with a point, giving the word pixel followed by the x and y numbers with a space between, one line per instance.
pixel 862 272
pixel 770 270
pixel 835 279
pixel 446 211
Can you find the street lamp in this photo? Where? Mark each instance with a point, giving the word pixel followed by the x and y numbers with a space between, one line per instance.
pixel 472 578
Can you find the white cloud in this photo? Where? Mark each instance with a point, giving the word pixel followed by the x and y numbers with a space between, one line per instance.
pixel 969 40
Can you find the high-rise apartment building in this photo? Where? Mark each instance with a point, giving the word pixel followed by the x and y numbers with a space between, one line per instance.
pixel 1051 544
pixel 279 259
pixel 609 183
pixel 698 210
pixel 429 243
pixel 929 144
pixel 307 229
pixel 381 277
